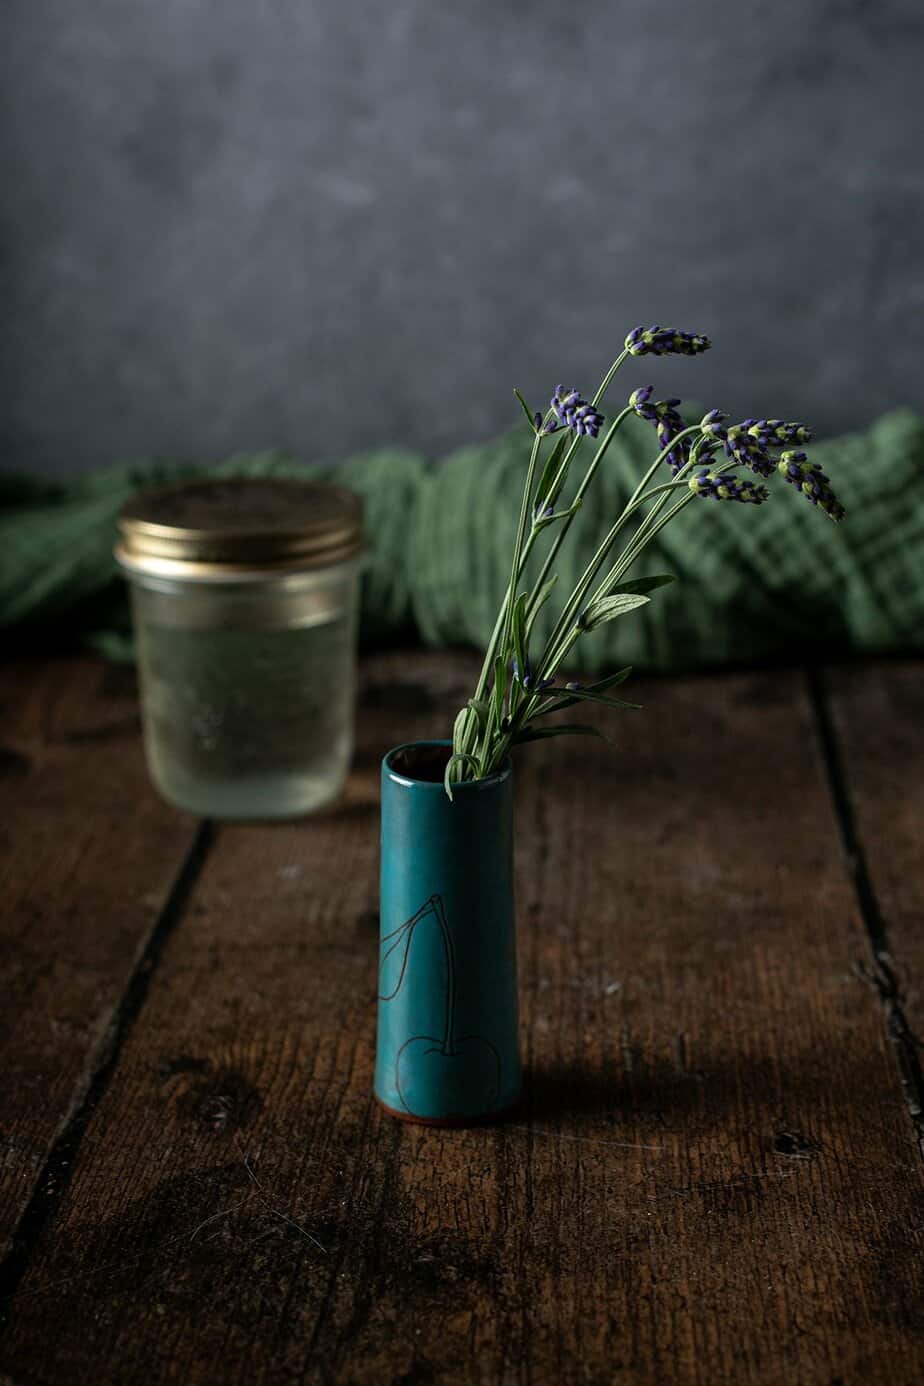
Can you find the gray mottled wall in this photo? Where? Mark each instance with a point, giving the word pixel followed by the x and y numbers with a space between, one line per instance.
pixel 331 224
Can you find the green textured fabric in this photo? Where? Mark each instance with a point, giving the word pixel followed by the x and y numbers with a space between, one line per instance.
pixel 779 581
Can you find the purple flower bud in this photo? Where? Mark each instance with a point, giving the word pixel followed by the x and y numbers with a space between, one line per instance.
pixel 573 411
pixel 746 450
pixel 661 341
pixel 638 400
pixel 668 423
pixel 795 468
pixel 720 486
pixel 777 433
pixel 525 678
pixel 712 424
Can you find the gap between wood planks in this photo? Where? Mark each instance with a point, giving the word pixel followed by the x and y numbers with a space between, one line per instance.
pixel 55 1174
pixel 881 974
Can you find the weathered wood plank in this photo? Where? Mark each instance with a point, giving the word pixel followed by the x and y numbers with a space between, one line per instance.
pixel 713 1179
pixel 87 856
pixel 879 741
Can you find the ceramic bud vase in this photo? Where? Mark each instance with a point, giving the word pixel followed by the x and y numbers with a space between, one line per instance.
pixel 447 1048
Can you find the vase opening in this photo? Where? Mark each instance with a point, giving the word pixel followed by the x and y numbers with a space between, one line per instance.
pixel 426 761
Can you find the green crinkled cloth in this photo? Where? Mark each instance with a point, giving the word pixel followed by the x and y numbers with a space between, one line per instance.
pixel 779 581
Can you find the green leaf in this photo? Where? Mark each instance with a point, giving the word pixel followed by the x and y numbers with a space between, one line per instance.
pixel 481 708
pixel 569 698
pixel 527 411
pixel 531 733
pixel 519 633
pixel 543 494
pixel 542 596
pixel 579 695
pixel 610 681
pixel 500 689
pixel 460 727
pixel 460 759
pixel 645 584
pixel 608 608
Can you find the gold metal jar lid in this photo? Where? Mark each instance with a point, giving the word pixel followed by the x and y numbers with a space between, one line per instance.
pixel 228 528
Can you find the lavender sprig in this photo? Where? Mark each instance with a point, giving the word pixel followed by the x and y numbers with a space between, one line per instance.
pixel 511 693
pixel 745 449
pixel 721 486
pixel 749 442
pixel 808 476
pixel 668 423
pixel 664 341
pixel 573 411
pixel 777 433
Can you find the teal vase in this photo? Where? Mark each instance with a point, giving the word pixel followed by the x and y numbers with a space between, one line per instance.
pixel 447 1049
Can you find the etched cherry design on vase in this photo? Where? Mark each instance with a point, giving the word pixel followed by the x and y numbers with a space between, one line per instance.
pixel 458 1075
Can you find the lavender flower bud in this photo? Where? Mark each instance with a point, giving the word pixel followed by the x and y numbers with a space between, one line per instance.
pixel 746 450
pixel 777 433
pixel 668 423
pixel 711 424
pixel 564 402
pixel 661 341
pixel 811 481
pixel 588 420
pixel 638 400
pixel 718 486
pixel 573 411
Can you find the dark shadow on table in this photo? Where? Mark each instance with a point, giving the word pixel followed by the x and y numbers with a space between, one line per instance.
pixel 651 1099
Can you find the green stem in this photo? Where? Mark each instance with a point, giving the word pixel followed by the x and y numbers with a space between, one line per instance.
pixel 642 534
pixel 501 631
pixel 574 603
pixel 645 532
pixel 607 379
pixel 518 545
pixel 578 497
pixel 633 550
pixel 589 475
pixel 504 616
pixel 622 566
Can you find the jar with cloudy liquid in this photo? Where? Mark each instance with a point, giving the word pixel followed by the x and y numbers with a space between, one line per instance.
pixel 245 599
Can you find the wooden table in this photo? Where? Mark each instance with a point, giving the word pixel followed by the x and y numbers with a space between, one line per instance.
pixel 716 1174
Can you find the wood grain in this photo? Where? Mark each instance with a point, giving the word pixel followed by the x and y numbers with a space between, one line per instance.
pixel 87 858
pixel 713 1179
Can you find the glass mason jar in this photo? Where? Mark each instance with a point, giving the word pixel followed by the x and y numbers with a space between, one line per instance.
pixel 245 598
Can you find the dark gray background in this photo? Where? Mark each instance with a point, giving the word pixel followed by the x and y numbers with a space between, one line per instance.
pixel 326 226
